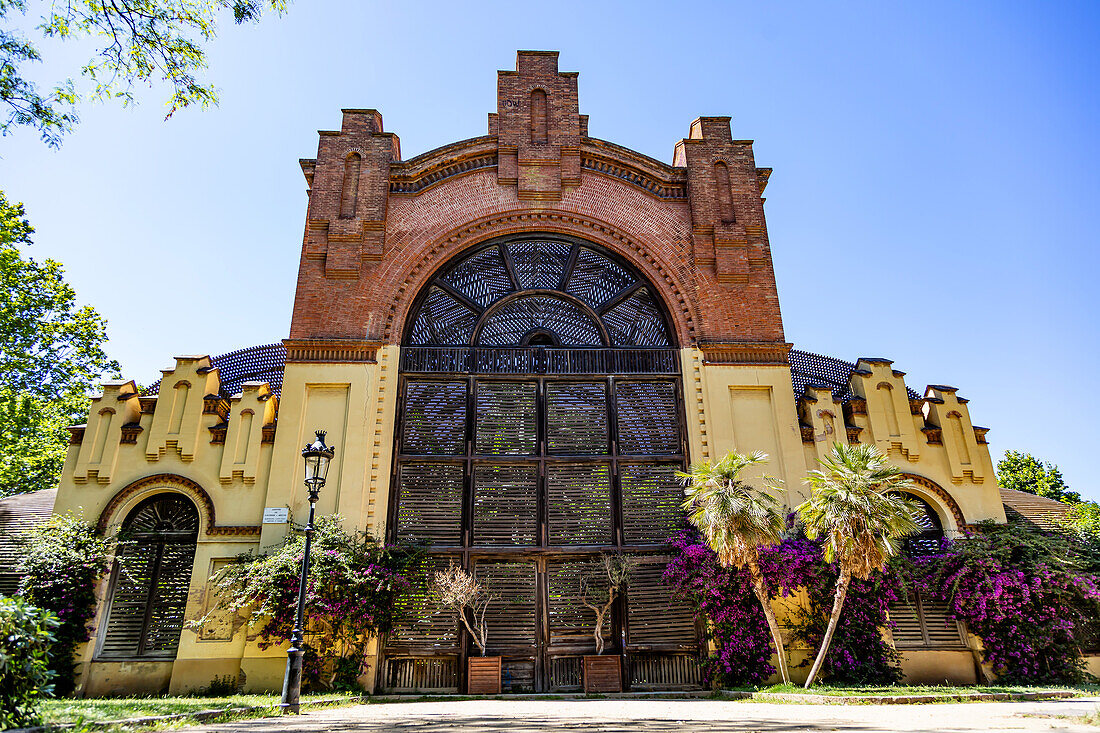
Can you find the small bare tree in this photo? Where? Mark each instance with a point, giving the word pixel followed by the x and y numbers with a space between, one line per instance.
pixel 458 590
pixel 600 587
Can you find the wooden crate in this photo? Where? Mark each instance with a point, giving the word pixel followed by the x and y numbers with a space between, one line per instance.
pixel 603 673
pixel 483 676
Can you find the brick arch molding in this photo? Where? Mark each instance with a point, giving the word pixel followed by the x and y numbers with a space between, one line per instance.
pixel 683 312
pixel 948 501
pixel 172 483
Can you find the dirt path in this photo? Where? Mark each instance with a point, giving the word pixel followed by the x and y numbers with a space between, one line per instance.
pixel 658 716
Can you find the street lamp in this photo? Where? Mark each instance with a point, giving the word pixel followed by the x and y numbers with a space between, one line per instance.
pixel 317 457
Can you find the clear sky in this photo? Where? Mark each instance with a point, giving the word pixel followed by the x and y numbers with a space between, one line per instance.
pixel 934 201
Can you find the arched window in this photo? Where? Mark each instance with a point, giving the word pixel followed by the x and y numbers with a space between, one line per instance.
pixel 538 116
pixel 150 579
pixel 349 195
pixel 927 540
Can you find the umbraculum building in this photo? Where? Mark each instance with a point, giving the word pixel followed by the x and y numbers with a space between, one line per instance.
pixel 514 342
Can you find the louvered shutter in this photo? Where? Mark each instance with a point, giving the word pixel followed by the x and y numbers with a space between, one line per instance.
pixel 925 624
pixel 505 505
pixel 511 615
pixel 434 419
pixel 576 418
pixel 168 600
pixel 423 625
pixel 649 421
pixel 430 503
pixel 651 499
pixel 126 621
pixel 579 504
pixel 655 618
pixel 571 623
pixel 905 619
pixel 942 630
pixel 506 423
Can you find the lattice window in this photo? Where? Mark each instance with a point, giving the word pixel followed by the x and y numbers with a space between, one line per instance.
pixel 430 503
pixel 926 541
pixel 579 504
pixel 482 276
pixel 636 322
pixel 539 264
pixel 649 421
pixel 444 320
pixel 651 499
pixel 576 418
pixel 571 623
pixel 505 504
pixel 422 623
pixel 596 278
pixel 151 579
pixel 563 321
pixel 925 624
pixel 511 615
pixel 506 418
pixel 434 421
pixel 654 616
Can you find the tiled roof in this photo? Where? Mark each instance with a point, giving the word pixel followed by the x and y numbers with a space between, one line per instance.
pixel 1038 510
pixel 809 368
pixel 18 514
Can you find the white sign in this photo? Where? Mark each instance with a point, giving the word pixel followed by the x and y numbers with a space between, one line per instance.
pixel 276 515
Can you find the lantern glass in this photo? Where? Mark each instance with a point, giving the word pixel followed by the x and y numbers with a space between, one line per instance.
pixel 317 457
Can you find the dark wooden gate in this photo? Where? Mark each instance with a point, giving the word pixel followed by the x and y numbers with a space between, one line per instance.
pixel 540 422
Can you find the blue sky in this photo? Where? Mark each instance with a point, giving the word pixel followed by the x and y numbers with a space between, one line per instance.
pixel 934 201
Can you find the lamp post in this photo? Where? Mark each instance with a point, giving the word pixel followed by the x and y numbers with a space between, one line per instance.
pixel 316 457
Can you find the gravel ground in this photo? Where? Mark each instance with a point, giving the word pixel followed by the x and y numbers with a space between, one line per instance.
pixel 658 716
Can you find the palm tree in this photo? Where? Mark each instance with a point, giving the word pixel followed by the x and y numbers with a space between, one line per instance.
pixel 855 506
pixel 736 520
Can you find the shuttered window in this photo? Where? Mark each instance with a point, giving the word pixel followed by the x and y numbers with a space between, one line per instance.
pixel 505 505
pixel 434 419
pixel 511 615
pixel 576 418
pixel 151 579
pixel 506 423
pixel 652 496
pixel 579 501
pixel 649 418
pixel 921 623
pixel 430 503
pixel 654 616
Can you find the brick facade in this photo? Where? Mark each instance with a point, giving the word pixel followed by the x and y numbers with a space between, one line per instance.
pixel 378 227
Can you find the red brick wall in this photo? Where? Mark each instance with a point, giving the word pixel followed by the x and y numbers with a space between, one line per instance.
pixel 712 267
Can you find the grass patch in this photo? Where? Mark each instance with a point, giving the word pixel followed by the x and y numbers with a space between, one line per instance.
pixel 915 690
pixel 97 710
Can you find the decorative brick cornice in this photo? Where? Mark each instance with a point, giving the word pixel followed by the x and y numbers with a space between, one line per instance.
pixel 979 435
pixel 148 404
pixel 807 433
pixel 853 433
pixel 916 406
pixel 76 434
pixel 267 433
pixel 630 174
pixel 855 406
pixel 213 404
pixel 949 501
pixel 746 353
pixel 217 433
pixel 339 351
pixel 172 483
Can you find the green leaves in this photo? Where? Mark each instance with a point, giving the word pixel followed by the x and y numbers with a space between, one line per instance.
pixel 26 635
pixel 51 356
pixel 855 509
pixel 135 42
pixel 1025 472
pixel 736 519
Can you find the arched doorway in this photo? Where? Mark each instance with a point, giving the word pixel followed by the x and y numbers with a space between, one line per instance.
pixel 540 422
pixel 150 580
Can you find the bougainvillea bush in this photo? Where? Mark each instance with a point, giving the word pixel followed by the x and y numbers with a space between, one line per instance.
pixel 1031 597
pixel 355 584
pixel 723 599
pixel 61 562
pixel 1028 595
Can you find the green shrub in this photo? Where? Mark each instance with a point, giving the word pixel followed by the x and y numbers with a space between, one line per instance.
pixel 26 635
pixel 61 563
